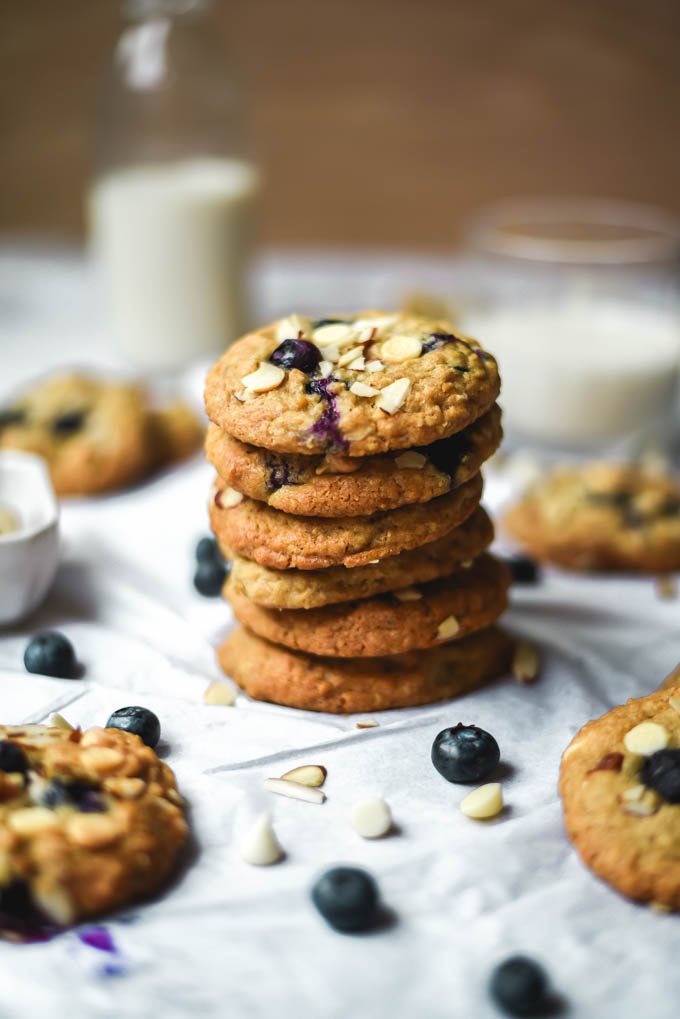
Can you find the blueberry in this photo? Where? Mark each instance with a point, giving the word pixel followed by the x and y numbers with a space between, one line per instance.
pixel 69 423
pixel 347 898
pixel 661 771
pixel 465 753
pixel 12 416
pixel 12 757
pixel 50 654
pixel 320 322
pixel 73 794
pixel 210 577
pixel 207 551
pixel 300 354
pixel 437 340
pixel 523 570
pixel 140 721
pixel 519 987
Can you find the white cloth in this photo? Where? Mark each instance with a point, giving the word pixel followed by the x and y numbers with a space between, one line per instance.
pixel 233 940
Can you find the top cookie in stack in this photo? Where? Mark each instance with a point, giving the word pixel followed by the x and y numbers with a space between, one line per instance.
pixel 347 453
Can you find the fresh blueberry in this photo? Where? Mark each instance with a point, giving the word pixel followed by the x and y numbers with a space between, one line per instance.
pixel 300 354
pixel 320 322
pixel 207 551
pixel 437 340
pixel 465 753
pixel 140 721
pixel 210 577
pixel 69 423
pixel 12 416
pixel 523 570
pixel 12 757
pixel 73 794
pixel 347 898
pixel 519 987
pixel 661 771
pixel 50 654
pixel 446 454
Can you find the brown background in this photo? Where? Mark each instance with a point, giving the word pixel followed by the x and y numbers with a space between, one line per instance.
pixel 378 121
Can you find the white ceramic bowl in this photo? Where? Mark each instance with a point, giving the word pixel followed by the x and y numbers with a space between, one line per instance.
pixel 28 556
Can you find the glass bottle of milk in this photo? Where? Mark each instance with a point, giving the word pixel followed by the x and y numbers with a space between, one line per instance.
pixel 171 205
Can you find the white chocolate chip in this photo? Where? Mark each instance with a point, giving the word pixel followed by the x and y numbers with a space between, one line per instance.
pixel 337 333
pixel 371 818
pixel 358 364
pixel 307 774
pixel 324 369
pixel 290 328
pixel 408 594
pixel 644 805
pixel 59 721
pixel 400 348
pixel 674 702
pixel 350 355
pixel 220 691
pixel 266 377
pixel 635 792
pixel 646 738
pixel 392 396
pixel 410 460
pixel 228 497
pixel 260 846
pixel 294 790
pixel 487 801
pixel 361 389
pixel 448 628
pixel 374 366
pixel 525 662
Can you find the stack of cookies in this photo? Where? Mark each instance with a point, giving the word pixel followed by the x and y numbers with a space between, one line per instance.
pixel 347 500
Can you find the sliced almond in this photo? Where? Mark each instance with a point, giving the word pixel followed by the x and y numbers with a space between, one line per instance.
pixel 367 723
pixel 374 366
pixel 525 662
pixel 350 355
pixel 641 806
pixel 228 497
pixel 324 369
pixel 357 365
pixel 361 389
pixel 60 722
pixel 401 348
pixel 392 396
pixel 410 460
pixel 408 594
pixel 448 628
pixel 482 803
pixel 635 792
pixel 294 790
pixel 292 327
pixel 646 738
pixel 336 333
pixel 331 353
pixel 266 377
pixel 220 691
pixel 307 774
pixel 260 846
pixel 32 820
pixel 371 818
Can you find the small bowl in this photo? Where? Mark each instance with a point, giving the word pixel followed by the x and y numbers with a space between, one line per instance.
pixel 29 556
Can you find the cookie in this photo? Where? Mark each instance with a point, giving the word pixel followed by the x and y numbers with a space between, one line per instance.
pixel 416 617
pixel 281 541
pixel 96 436
pixel 620 787
pixel 334 484
pixel 89 822
pixel 363 385
pixel 601 517
pixel 309 589
pixel 347 685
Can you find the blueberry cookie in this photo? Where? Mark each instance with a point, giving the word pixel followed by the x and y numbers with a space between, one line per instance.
pixel 415 617
pixel 620 786
pixel 334 484
pixel 362 385
pixel 96 436
pixel 601 517
pixel 281 541
pixel 89 821
pixel 310 589
pixel 346 685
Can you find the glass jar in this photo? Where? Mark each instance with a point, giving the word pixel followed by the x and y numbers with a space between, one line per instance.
pixel 172 201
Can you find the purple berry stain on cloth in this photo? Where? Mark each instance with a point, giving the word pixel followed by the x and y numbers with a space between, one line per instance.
pixel 101 940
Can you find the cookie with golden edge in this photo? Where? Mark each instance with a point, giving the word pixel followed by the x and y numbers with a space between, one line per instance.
pixel 366 384
pixel 334 484
pixel 282 541
pixel 310 589
pixel 268 672
pixel 620 787
pixel 416 617
pixel 89 822
pixel 95 435
pixel 601 517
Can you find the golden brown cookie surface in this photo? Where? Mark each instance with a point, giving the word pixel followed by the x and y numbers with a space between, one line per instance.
pixel 368 384
pixel 620 786
pixel 89 821
pixel 417 617
pixel 346 685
